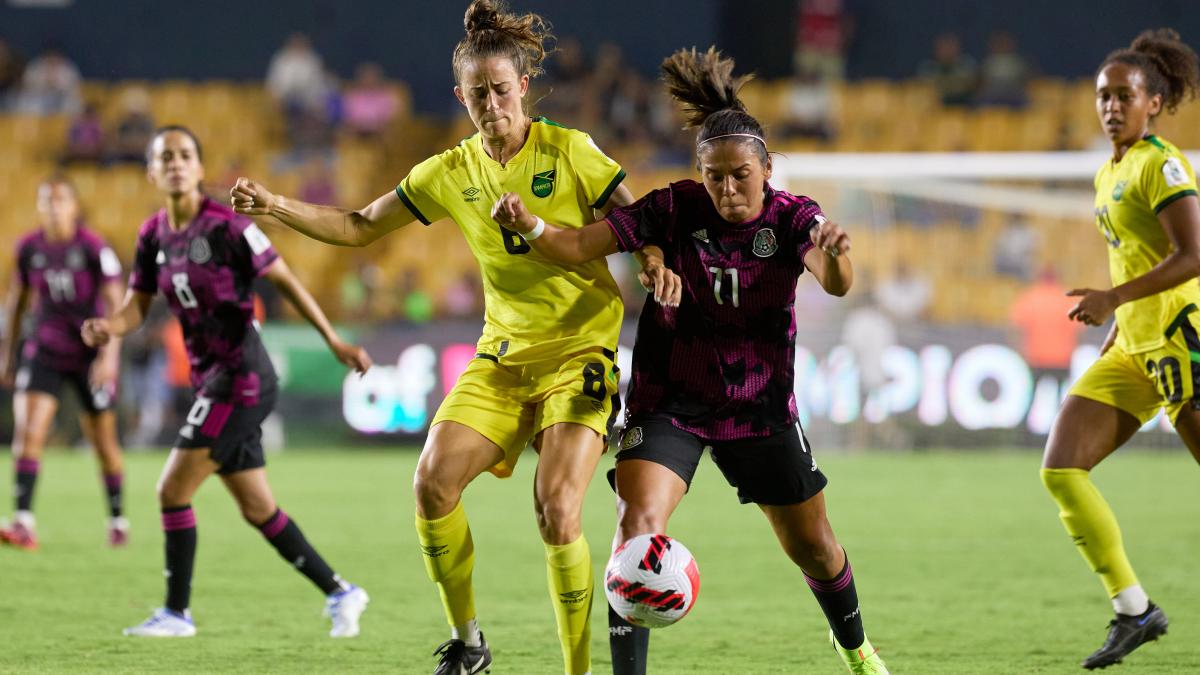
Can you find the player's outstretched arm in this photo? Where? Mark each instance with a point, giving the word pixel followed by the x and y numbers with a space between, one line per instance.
pixel 14 313
pixel 98 332
pixel 828 260
pixel 329 224
pixel 352 356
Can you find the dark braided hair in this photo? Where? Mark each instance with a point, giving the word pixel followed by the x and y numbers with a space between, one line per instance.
pixel 492 31
pixel 1170 67
pixel 705 86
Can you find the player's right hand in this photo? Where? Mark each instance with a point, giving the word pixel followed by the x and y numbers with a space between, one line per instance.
pixel 251 199
pixel 510 212
pixel 96 332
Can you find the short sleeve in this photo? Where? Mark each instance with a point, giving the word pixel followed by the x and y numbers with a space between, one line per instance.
pixel 599 175
pixel 254 250
pixel 144 275
pixel 808 215
pixel 1166 179
pixel 105 260
pixel 644 222
pixel 420 191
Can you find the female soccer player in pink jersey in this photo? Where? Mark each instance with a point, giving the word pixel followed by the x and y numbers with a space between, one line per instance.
pixel 717 370
pixel 73 274
pixel 203 258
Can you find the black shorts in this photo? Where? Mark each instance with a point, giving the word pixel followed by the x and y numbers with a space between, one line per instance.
pixel 773 471
pixel 36 375
pixel 231 431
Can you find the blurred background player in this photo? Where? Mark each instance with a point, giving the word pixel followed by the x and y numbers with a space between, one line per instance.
pixel 73 274
pixel 203 258
pixel 1148 212
pixel 717 371
pixel 545 368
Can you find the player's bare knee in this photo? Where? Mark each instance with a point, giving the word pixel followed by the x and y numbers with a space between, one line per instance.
pixel 814 553
pixel 558 520
pixel 435 497
pixel 170 493
pixel 256 512
pixel 635 520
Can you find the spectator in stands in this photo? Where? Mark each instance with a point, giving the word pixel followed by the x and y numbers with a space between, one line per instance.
pixel 1015 250
pixel 569 84
pixel 85 137
pixel 1005 74
pixel 905 294
pixel 953 73
pixel 296 76
pixel 808 111
pixel 12 66
pixel 50 86
pixel 464 298
pixel 134 128
pixel 868 330
pixel 317 185
pixel 1047 337
pixel 822 32
pixel 370 104
pixel 145 392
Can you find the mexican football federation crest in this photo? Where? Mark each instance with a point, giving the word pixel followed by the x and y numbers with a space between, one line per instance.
pixel 765 243
pixel 543 183
pixel 200 251
pixel 75 259
pixel 632 438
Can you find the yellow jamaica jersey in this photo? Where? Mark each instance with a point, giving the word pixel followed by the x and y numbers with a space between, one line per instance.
pixel 534 308
pixel 1129 196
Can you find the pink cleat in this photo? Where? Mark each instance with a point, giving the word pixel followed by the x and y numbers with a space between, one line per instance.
pixel 118 531
pixel 20 536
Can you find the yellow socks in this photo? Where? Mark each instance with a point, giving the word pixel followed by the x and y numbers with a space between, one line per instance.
pixel 1092 526
pixel 569 571
pixel 449 560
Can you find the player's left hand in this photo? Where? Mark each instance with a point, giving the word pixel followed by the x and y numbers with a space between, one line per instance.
pixel 1095 308
pixel 352 356
pixel 830 237
pixel 103 375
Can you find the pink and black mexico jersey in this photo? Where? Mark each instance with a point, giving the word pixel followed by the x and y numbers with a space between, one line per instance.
pixel 721 365
pixel 205 270
pixel 67 276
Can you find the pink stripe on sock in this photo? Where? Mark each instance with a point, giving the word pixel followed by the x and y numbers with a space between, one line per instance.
pixel 275 525
pixel 27 465
pixel 834 585
pixel 179 520
pixel 113 480
pixel 217 417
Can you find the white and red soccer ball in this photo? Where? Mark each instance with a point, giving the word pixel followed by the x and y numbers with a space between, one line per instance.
pixel 652 580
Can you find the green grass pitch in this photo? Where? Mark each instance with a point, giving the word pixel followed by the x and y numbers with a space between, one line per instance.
pixel 961 563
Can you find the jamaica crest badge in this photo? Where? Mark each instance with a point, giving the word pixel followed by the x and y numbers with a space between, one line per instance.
pixel 765 243
pixel 543 183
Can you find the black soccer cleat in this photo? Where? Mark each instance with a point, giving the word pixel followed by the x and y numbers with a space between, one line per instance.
pixel 459 659
pixel 1127 633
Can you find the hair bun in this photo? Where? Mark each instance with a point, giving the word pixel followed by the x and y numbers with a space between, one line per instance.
pixel 481 15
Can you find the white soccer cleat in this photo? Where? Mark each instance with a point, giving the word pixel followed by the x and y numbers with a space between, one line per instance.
pixel 164 623
pixel 344 608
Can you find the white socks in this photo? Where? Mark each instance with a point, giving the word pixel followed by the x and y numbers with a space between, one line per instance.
pixel 468 633
pixel 1131 601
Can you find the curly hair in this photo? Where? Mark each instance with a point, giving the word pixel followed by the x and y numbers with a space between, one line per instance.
pixel 493 31
pixel 1170 66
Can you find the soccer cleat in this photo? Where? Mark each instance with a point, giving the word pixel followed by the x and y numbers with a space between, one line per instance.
pixel 1127 633
pixel 459 659
pixel 344 608
pixel 19 535
pixel 118 531
pixel 164 623
pixel 862 661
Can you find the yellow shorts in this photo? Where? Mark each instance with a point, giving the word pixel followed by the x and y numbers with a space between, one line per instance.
pixel 510 404
pixel 1141 384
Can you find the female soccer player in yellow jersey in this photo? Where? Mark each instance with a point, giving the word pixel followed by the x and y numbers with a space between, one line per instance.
pixel 545 364
pixel 1148 212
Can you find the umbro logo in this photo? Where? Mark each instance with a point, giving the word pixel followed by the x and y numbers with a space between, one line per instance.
pixel 435 551
pixel 702 235
pixel 471 194
pixel 573 597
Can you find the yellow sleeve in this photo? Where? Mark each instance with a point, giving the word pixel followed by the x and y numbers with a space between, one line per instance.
pixel 598 173
pixel 1166 179
pixel 421 190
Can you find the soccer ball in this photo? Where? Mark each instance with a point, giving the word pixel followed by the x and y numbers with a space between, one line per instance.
pixel 652 580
